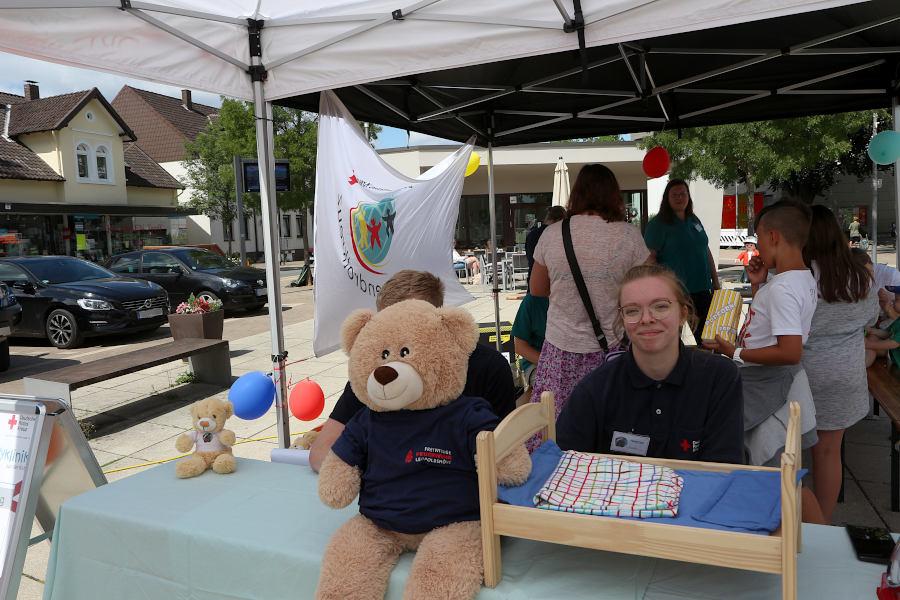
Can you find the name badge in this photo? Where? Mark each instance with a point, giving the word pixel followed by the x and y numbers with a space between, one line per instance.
pixel 629 443
pixel 698 226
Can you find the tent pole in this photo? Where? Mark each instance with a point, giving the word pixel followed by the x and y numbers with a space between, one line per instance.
pixel 895 106
pixel 873 227
pixel 493 212
pixel 262 110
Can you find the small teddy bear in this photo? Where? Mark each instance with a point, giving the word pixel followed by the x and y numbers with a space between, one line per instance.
pixel 410 458
pixel 213 441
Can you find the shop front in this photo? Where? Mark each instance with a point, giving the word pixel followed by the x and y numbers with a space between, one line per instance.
pixel 31 230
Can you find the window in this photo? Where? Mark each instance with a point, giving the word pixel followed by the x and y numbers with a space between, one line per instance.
pixel 126 264
pixel 102 159
pixel 11 274
pixel 204 260
pixel 285 225
pixel 299 226
pixel 63 269
pixel 157 263
pixel 81 157
pixel 248 227
pixel 228 231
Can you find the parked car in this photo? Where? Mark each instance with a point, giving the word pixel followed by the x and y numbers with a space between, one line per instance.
pixel 185 270
pixel 10 315
pixel 66 299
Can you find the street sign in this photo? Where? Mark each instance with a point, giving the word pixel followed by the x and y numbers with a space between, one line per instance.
pixel 251 175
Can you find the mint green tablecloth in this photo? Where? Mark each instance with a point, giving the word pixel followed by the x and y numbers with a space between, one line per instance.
pixel 259 534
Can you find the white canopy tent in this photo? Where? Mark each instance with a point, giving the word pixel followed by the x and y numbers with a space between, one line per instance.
pixel 266 50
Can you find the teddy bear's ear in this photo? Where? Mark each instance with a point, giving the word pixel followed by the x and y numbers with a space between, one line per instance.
pixel 460 326
pixel 229 409
pixel 352 326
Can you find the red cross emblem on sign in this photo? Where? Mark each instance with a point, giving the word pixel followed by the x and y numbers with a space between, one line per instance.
pixel 12 422
pixel 685 445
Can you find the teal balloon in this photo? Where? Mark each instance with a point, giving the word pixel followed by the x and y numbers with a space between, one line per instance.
pixel 884 148
pixel 252 395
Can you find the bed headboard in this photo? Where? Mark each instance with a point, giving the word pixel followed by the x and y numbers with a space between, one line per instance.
pixel 523 422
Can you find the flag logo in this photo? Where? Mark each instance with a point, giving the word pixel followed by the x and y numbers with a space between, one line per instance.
pixel 372 229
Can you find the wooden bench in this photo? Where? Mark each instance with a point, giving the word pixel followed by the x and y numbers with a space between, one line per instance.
pixel 209 359
pixel 884 385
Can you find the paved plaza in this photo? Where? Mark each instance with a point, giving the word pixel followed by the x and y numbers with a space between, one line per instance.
pixel 136 418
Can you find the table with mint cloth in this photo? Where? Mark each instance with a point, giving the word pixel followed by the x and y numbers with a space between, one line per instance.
pixel 259 534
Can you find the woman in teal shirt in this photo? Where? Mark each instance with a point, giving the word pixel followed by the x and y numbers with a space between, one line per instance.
pixel 677 240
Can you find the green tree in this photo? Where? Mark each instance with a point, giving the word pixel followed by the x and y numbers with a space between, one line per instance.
pixel 802 157
pixel 210 171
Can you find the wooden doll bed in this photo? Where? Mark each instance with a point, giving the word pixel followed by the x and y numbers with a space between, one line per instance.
pixel 775 553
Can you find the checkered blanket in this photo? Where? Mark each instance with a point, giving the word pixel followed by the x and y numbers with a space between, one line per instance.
pixel 596 485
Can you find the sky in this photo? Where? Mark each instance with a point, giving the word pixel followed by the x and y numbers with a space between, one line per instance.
pixel 56 79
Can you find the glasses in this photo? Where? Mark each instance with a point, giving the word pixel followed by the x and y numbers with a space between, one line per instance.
pixel 633 313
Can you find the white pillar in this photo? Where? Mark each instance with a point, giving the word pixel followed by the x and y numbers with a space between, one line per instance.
pixel 268 207
pixel 492 208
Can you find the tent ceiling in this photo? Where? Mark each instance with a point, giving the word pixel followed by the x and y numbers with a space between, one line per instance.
pixel 835 60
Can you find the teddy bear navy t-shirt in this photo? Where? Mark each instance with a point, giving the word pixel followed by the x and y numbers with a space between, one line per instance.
pixel 418 466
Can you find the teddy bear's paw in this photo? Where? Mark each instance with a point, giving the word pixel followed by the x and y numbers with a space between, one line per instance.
pixel 190 467
pixel 224 464
pixel 448 564
pixel 306 440
pixel 338 482
pixel 515 467
pixel 184 443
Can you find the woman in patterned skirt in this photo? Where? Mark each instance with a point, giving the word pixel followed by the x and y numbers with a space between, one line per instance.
pixel 605 246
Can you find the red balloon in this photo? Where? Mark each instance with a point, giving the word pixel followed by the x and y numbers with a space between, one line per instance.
pixel 307 400
pixel 656 162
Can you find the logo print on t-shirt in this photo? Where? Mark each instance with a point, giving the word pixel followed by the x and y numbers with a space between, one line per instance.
pixel 207 437
pixel 409 456
pixel 685 445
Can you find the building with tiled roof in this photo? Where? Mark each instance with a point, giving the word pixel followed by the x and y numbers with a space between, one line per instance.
pixel 73 180
pixel 162 125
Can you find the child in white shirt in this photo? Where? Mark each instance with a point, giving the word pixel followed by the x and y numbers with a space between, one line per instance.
pixel 770 344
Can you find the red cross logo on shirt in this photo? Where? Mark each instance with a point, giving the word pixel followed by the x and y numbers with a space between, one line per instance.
pixel 685 445
pixel 409 456
pixel 12 422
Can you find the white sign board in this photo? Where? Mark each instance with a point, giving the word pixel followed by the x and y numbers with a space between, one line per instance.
pixel 44 460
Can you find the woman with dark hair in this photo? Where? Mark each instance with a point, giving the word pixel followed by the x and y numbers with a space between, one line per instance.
pixel 603 248
pixel 677 240
pixel 834 353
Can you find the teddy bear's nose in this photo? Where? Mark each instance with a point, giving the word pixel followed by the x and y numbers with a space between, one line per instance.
pixel 385 375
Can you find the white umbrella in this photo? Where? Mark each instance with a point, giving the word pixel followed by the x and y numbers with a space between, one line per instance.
pixel 561 184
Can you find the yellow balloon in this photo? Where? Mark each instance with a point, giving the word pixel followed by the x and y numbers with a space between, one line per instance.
pixel 474 162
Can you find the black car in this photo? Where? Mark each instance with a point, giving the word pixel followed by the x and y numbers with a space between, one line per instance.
pixel 183 271
pixel 66 299
pixel 10 315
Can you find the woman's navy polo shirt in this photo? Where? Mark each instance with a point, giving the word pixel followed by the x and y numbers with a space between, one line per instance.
pixel 695 413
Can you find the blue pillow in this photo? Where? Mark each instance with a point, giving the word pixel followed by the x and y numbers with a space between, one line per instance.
pixel 749 500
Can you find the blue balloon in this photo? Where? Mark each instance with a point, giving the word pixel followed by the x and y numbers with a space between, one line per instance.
pixel 252 395
pixel 885 147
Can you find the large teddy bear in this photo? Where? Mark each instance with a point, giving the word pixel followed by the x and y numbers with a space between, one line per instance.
pixel 410 457
pixel 212 440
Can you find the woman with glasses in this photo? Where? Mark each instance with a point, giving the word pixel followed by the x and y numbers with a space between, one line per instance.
pixel 677 240
pixel 659 399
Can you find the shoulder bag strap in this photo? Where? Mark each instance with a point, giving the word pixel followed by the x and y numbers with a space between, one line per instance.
pixel 579 283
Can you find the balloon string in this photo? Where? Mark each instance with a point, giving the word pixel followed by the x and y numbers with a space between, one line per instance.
pixel 290 383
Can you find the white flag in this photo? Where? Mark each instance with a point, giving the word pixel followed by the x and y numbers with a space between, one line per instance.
pixel 371 222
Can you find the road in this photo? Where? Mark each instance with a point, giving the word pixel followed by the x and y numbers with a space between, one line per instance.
pixel 31 356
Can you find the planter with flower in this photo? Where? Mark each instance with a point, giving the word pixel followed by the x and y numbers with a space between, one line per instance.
pixel 197 318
